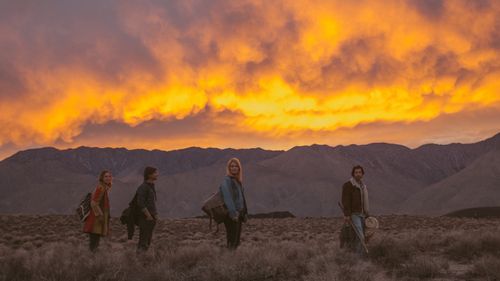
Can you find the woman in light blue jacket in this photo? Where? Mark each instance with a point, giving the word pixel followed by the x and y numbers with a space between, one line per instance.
pixel 234 198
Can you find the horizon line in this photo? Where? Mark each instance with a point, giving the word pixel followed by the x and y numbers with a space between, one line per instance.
pixel 242 148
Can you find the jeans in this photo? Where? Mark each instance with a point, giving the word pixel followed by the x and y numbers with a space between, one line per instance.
pixel 145 234
pixel 94 241
pixel 358 220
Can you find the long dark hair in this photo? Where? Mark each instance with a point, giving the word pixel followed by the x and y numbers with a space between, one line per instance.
pixel 148 171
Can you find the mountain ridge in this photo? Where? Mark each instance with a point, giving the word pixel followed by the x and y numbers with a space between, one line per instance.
pixel 305 180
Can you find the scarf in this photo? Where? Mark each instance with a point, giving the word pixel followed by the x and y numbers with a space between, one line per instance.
pixel 364 195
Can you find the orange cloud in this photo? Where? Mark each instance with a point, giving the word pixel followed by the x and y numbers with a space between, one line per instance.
pixel 282 68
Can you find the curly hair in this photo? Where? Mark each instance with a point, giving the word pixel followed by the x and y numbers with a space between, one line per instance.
pixel 356 168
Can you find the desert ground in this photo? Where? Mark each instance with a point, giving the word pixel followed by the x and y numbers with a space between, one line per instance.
pixel 52 247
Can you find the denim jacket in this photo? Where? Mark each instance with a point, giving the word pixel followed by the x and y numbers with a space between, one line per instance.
pixel 233 196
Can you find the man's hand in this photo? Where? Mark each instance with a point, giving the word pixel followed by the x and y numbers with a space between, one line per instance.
pixel 148 215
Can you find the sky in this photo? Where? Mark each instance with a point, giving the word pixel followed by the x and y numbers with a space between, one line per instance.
pixel 272 74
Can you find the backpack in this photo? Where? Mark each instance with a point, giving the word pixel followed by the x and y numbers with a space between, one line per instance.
pixel 215 208
pixel 130 216
pixel 83 209
pixel 347 236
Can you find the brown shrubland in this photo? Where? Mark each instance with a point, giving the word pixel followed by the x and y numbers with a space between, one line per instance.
pixel 405 248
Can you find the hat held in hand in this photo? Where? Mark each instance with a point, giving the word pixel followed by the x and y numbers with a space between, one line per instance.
pixel 371 222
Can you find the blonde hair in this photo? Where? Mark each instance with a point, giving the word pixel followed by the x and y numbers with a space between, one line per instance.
pixel 101 177
pixel 228 171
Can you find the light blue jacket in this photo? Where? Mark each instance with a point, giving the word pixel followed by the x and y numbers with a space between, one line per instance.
pixel 233 196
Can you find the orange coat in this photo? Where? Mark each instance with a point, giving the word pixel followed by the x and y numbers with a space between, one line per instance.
pixel 100 204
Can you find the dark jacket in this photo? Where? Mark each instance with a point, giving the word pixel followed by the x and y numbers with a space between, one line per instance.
pixel 351 199
pixel 146 197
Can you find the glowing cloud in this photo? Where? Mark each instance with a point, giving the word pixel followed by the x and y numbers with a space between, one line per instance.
pixel 278 68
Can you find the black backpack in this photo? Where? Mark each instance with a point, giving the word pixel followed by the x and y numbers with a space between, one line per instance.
pixel 130 217
pixel 83 209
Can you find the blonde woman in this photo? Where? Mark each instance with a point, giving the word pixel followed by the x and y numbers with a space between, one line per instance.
pixel 234 198
pixel 97 223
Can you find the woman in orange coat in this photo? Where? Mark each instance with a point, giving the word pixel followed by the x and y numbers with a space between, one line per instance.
pixel 97 223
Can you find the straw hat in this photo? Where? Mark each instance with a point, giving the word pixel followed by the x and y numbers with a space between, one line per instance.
pixel 371 222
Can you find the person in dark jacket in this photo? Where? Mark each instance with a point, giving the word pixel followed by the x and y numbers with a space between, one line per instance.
pixel 146 203
pixel 355 204
pixel 234 199
pixel 97 223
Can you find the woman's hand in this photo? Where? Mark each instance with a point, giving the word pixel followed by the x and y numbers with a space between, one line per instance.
pixel 245 218
pixel 99 218
pixel 236 216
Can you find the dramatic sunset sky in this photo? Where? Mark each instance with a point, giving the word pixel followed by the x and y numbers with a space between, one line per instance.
pixel 271 74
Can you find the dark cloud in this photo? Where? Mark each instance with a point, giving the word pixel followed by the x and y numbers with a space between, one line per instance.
pixel 190 126
pixel 11 82
pixel 362 60
pixel 88 35
pixel 433 9
pixel 478 5
pixel 495 35
pixel 435 62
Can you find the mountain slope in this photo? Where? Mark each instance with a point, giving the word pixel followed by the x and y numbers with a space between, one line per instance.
pixel 475 186
pixel 304 180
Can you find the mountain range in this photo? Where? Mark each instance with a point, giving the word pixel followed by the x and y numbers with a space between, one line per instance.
pixel 305 180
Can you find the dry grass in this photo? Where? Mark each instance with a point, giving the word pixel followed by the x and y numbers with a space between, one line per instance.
pixel 486 268
pixel 473 245
pixel 53 248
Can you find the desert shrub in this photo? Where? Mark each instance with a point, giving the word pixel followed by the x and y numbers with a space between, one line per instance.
pixel 13 267
pixel 340 265
pixel 7 237
pixel 422 267
pixel 252 264
pixel 34 250
pixel 360 272
pixel 346 258
pixel 486 268
pixel 469 246
pixel 428 241
pixel 186 258
pixel 391 253
pixel 490 243
pixel 206 262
